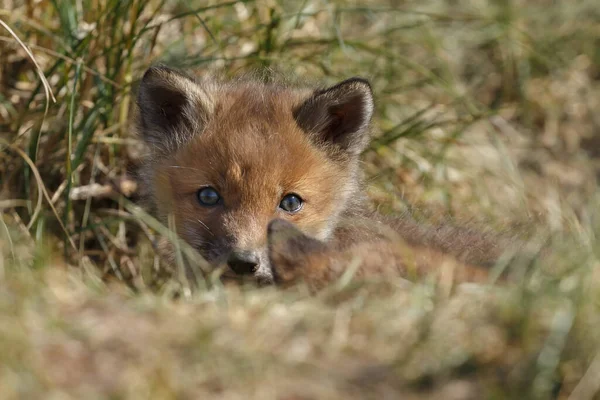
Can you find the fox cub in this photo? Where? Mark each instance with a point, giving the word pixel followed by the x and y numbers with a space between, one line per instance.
pixel 264 179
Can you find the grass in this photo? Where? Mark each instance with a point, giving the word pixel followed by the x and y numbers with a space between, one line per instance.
pixel 486 110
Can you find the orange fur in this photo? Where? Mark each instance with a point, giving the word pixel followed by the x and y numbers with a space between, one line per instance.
pixel 255 142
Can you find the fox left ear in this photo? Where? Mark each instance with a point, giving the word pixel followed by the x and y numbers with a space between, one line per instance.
pixel 172 107
pixel 339 116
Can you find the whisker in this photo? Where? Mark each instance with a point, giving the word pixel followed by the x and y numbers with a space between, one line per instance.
pixel 206 227
pixel 182 167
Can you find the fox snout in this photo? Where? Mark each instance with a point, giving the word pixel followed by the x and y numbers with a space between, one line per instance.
pixel 244 262
pixel 251 263
pixel 257 262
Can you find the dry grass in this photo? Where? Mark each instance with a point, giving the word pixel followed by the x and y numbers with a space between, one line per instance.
pixel 485 109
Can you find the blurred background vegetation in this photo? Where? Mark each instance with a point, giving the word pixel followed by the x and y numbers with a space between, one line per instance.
pixel 486 110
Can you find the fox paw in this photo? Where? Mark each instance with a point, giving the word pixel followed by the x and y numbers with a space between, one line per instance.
pixel 290 251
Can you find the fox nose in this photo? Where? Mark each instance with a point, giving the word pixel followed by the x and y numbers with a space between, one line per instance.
pixel 243 262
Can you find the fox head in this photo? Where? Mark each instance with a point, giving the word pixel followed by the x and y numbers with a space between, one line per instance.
pixel 227 158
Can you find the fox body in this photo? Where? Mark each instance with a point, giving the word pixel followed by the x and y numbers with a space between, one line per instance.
pixel 295 257
pixel 227 158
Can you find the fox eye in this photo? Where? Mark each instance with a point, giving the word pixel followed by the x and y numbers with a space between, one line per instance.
pixel 291 203
pixel 208 196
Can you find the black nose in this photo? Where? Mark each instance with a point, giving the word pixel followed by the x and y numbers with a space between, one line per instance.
pixel 243 262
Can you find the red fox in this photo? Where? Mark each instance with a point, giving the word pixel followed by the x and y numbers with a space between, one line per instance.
pixel 227 158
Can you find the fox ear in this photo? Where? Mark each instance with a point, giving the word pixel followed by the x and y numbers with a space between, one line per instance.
pixel 172 107
pixel 339 116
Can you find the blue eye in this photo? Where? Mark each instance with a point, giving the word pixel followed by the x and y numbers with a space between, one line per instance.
pixel 291 203
pixel 208 196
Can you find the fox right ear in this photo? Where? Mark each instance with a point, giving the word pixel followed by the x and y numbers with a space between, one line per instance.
pixel 172 107
pixel 339 117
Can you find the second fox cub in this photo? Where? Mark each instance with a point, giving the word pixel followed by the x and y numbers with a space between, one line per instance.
pixel 227 158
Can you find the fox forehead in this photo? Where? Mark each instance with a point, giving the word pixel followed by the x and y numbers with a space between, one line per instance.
pixel 252 140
